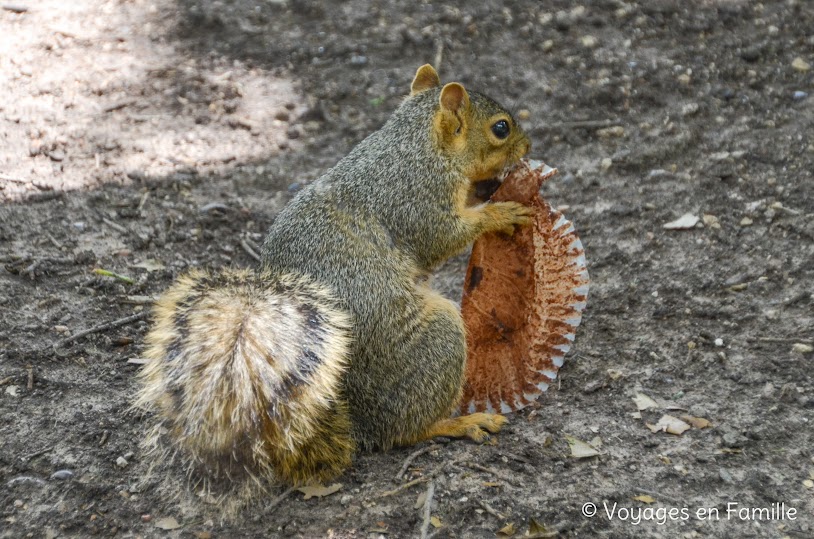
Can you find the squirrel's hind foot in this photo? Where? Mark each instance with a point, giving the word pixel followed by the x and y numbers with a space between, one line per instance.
pixel 476 427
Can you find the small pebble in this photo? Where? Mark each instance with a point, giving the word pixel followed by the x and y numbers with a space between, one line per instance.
pixel 18 503
pixel 282 115
pixel 358 60
pixel 146 518
pixel 121 462
pixel 802 348
pixel 719 342
pixel 293 132
pixel 56 155
pixel 548 45
pixel 799 95
pixel 523 114
pixel 725 476
pixel 589 42
pixel 746 221
pixel 605 164
pixel 798 64
pixel 62 474
pixel 608 132
pixel 751 54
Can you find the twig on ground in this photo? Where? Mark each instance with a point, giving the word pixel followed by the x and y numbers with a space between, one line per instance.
pixel 102 327
pixel 249 250
pixel 491 510
pixel 513 456
pixel 30 384
pixel 7 178
pixel 114 226
pixel 439 53
pixel 105 435
pixel 422 479
pixel 36 454
pixel 53 240
pixel 542 535
pixel 409 460
pixel 6 380
pixel 585 124
pixel 113 274
pixel 253 244
pixel 657 495
pixel 279 499
pixel 425 527
pixel 144 198
pixel 119 105
pixel 492 471
pixel 138 300
pixel 782 340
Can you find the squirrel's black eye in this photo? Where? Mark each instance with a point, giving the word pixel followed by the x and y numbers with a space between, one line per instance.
pixel 501 129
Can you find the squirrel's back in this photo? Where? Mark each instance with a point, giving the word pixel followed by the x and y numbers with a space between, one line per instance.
pixel 237 398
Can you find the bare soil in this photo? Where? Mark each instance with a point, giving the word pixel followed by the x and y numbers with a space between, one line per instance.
pixel 147 138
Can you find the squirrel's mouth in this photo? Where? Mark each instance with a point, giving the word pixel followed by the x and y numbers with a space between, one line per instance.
pixel 484 189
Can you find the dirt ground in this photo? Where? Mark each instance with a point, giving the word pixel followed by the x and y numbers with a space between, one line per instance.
pixel 147 138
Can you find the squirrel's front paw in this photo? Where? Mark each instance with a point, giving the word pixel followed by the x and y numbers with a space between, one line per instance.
pixel 505 216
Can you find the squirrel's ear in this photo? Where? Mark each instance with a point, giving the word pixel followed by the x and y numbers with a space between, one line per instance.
pixel 454 98
pixel 425 78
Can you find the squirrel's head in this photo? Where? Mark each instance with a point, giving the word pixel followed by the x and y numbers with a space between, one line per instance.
pixel 472 129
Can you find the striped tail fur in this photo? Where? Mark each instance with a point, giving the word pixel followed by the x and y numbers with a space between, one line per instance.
pixel 244 373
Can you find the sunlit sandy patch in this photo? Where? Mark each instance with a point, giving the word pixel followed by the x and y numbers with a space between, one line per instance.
pixel 102 92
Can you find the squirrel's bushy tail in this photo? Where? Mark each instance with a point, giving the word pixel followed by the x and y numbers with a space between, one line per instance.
pixel 244 374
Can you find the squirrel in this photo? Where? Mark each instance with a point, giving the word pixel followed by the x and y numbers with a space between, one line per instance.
pixel 337 344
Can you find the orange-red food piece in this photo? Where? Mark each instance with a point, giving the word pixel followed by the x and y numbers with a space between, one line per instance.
pixel 523 300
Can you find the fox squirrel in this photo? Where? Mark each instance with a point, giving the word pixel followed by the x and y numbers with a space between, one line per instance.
pixel 337 344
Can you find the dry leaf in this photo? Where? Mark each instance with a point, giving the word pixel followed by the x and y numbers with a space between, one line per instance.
pixel 535 527
pixel 523 300
pixel 614 374
pixel 669 424
pixel 644 498
pixel 580 449
pixel 697 422
pixel 596 442
pixel 643 402
pixel 684 222
pixel 436 522
pixel 167 523
pixel 506 531
pixel 319 491
pixel 491 484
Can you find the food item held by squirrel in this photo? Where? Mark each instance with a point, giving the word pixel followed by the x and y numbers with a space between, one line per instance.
pixel 522 302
